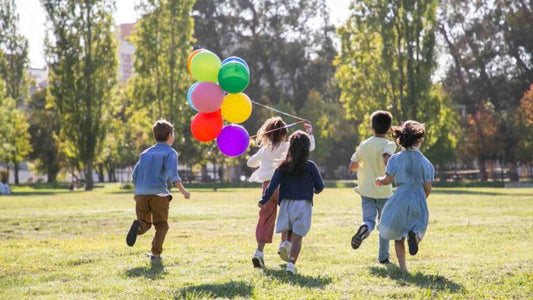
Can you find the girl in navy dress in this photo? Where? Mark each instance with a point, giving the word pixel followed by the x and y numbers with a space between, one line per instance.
pixel 406 214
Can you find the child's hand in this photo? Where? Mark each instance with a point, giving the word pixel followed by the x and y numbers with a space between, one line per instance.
pixel 378 181
pixel 186 194
pixel 308 128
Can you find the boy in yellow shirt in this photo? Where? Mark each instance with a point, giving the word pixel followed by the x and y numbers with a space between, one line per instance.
pixel 369 162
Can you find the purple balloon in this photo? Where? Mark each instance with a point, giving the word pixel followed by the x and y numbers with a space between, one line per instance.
pixel 233 140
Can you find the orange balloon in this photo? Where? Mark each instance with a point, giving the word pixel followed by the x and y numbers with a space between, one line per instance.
pixel 191 56
pixel 206 127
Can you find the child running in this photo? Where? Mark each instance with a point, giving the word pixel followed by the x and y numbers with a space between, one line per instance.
pixel 157 165
pixel 298 178
pixel 369 161
pixel 406 213
pixel 272 138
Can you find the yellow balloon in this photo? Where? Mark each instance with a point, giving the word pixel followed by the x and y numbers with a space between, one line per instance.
pixel 236 108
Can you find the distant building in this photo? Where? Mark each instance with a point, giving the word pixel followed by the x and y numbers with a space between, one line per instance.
pixel 126 50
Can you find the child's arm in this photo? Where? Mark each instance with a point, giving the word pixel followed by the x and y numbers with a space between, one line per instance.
pixel 427 188
pixel 384 180
pixel 355 161
pixel 354 166
pixel 309 131
pixel 318 181
pixel 272 186
pixel 182 189
pixel 386 157
pixel 171 165
pixel 255 160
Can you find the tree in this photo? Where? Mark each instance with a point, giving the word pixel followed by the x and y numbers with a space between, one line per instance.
pixel 491 64
pixel 129 133
pixel 289 48
pixel 81 57
pixel 13 63
pixel 44 131
pixel 386 62
pixel 163 38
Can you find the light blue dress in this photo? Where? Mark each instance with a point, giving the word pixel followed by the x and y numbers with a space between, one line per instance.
pixel 407 209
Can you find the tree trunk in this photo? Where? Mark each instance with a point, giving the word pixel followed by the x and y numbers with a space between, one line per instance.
pixel 52 174
pixel 512 171
pixel 89 183
pixel 16 169
pixel 482 168
pixel 100 172
pixel 442 173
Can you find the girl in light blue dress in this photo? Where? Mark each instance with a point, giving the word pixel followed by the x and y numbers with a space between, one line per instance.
pixel 406 214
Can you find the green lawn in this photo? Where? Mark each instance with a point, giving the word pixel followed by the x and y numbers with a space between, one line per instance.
pixel 56 244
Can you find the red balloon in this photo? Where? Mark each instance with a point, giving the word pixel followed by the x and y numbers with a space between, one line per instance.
pixel 205 127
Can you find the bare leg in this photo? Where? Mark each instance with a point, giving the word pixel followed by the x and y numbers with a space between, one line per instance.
pixel 286 235
pixel 399 246
pixel 296 247
pixel 261 246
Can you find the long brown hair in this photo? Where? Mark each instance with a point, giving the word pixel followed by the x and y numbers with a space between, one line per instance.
pixel 273 132
pixel 295 162
pixel 409 133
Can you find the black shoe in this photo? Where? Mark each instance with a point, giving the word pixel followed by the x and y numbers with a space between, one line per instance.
pixel 385 261
pixel 412 243
pixel 358 238
pixel 132 234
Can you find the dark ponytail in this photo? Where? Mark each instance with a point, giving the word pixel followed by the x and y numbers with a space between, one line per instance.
pixel 295 162
pixel 409 133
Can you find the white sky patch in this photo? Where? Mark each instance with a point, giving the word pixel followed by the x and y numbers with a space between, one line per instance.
pixel 32 20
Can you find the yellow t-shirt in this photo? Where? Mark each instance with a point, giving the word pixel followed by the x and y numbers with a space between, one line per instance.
pixel 369 155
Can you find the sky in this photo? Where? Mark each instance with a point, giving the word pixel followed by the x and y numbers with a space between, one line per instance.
pixel 32 19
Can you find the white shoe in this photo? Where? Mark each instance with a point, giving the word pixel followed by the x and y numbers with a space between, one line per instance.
pixel 257 259
pixel 291 269
pixel 284 250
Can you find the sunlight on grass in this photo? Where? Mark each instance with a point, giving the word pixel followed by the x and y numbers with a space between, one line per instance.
pixel 72 245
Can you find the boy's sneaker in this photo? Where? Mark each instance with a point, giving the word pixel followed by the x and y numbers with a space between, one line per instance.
pixel 284 250
pixel 359 236
pixel 412 243
pixel 385 261
pixel 258 260
pixel 291 269
pixel 132 234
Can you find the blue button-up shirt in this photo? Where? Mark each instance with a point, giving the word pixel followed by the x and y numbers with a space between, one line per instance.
pixel 157 164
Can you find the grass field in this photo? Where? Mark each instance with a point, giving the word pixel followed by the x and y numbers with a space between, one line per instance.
pixel 56 244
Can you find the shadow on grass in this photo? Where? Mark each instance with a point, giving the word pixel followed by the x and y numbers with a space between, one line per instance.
pixel 230 289
pixel 300 280
pixel 435 282
pixel 155 271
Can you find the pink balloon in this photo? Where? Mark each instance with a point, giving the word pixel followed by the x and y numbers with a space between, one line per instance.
pixel 207 97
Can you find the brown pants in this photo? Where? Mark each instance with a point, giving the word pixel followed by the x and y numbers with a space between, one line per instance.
pixel 152 207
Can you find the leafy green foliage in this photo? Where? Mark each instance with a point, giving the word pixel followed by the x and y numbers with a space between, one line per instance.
pixel 13 63
pixel 386 62
pixel 81 57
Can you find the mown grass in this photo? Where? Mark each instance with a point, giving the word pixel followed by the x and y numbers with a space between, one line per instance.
pixel 55 244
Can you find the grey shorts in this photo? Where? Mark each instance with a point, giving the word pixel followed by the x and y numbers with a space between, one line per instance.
pixel 294 215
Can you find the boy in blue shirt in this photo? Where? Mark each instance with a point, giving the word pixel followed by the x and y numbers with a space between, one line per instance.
pixel 156 166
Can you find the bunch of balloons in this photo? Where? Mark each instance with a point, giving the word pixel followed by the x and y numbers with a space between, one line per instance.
pixel 218 95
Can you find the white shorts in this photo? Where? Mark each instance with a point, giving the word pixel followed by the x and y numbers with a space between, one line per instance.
pixel 294 215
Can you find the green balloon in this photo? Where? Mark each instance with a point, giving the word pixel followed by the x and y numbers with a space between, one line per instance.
pixel 205 66
pixel 233 77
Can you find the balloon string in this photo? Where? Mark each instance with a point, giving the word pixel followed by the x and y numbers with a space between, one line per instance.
pixel 278 111
pixel 286 126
